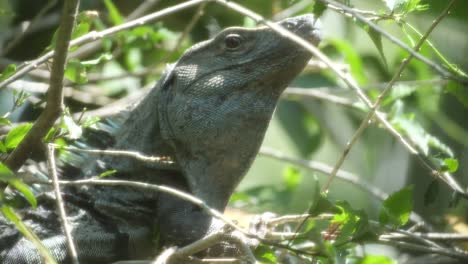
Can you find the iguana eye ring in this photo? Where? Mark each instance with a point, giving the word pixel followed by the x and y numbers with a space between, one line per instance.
pixel 232 41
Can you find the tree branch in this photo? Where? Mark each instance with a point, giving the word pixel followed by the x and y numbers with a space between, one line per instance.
pixel 55 95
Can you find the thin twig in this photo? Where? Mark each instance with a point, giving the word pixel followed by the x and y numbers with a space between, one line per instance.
pixel 61 208
pixel 122 153
pixel 420 248
pixel 55 94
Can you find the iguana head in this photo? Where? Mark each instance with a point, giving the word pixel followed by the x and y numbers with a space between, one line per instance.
pixel 217 102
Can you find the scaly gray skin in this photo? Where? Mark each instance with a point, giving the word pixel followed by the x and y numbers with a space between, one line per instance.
pixel 209 112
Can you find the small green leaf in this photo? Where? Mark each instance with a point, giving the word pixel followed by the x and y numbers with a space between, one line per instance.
pixel 5 121
pixel 24 190
pixel 90 121
pixel 292 177
pixel 102 58
pixel 6 175
pixel 352 58
pixel 265 255
pixel 406 124
pixel 8 71
pixel 75 71
pixel 107 173
pixel 114 14
pixel 396 209
pixel 16 135
pixel 451 165
pixel 374 259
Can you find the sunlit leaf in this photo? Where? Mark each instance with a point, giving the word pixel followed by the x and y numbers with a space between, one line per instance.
pixel 292 177
pixel 451 165
pixel 265 255
pixel 352 58
pixel 8 71
pixel 406 125
pixel 6 175
pixel 107 173
pixel 114 14
pixel 102 58
pixel 5 121
pixel 396 209
pixel 375 259
pixel 16 135
pixel 75 71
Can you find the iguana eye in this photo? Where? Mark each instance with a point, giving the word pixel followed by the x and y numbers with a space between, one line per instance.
pixel 233 41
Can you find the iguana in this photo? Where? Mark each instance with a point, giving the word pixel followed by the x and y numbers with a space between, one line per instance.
pixel 209 113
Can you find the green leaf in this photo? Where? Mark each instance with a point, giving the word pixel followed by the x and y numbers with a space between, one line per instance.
pixel 102 58
pixel 90 121
pixel 114 14
pixel 8 71
pixel 25 191
pixel 5 121
pixel 451 165
pixel 75 71
pixel 352 58
pixel 265 255
pixel 3 149
pixel 375 259
pixel 353 223
pixel 376 38
pixel 80 29
pixel 6 175
pixel 107 173
pixel 406 124
pixel 292 177
pixel 16 135
pixel 396 209
pixel 10 214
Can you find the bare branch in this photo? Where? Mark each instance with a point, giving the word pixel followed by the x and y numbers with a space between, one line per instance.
pixel 58 198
